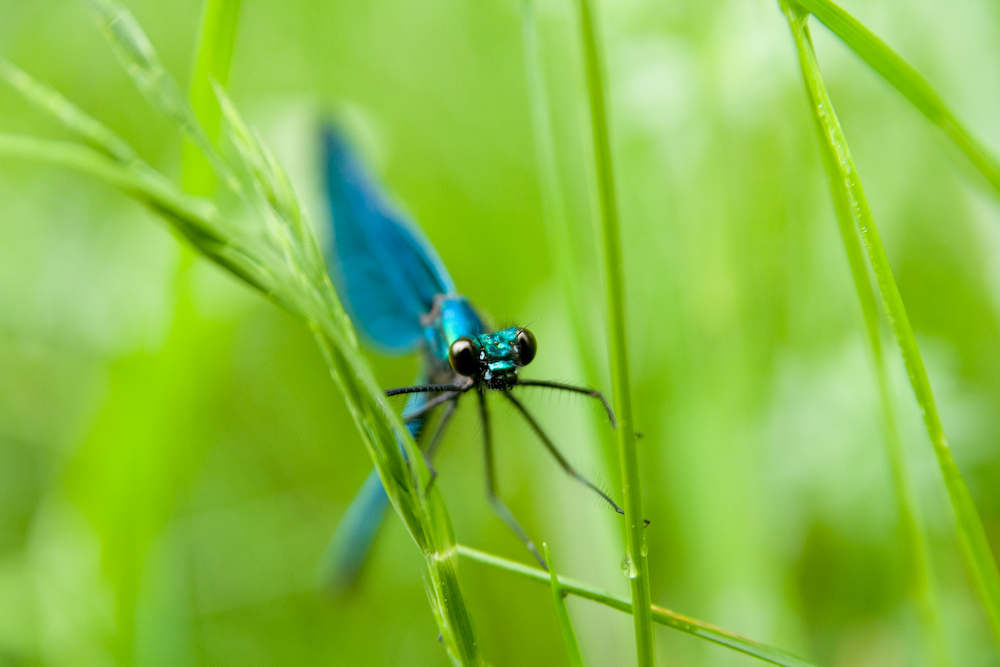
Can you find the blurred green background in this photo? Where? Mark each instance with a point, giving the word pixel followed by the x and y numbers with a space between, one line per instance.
pixel 173 454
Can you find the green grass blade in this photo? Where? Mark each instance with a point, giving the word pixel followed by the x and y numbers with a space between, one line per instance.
pixel 195 219
pixel 424 514
pixel 212 61
pixel 917 548
pixel 846 185
pixel 915 544
pixel 48 100
pixel 274 250
pixel 136 54
pixel 636 552
pixel 565 625
pixel 904 78
pixel 660 615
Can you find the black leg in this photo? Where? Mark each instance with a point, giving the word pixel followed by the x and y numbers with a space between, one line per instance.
pixel 429 405
pixel 435 440
pixel 593 393
pixel 431 388
pixel 491 485
pixel 570 470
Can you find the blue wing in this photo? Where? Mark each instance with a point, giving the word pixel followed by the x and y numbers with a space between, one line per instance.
pixel 351 542
pixel 386 273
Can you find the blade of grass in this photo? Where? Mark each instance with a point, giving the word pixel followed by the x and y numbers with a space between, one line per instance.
pixel 915 544
pixel 907 80
pixel 276 255
pixel 212 62
pixel 636 553
pixel 137 56
pixel 196 219
pixel 423 514
pixel 565 625
pixel 846 185
pixel 45 98
pixel 662 616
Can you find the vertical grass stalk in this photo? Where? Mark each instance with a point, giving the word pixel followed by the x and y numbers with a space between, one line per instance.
pixel 636 552
pixel 846 188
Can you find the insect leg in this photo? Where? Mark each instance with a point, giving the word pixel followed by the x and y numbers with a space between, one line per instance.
pixel 435 440
pixel 593 393
pixel 491 485
pixel 420 411
pixel 570 470
pixel 430 388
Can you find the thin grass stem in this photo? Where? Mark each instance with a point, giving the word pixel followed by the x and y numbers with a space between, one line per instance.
pixel 636 553
pixel 565 625
pixel 660 615
pixel 567 264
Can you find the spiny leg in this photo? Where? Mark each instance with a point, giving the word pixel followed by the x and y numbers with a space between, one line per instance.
pixel 593 393
pixel 430 388
pixel 570 470
pixel 491 485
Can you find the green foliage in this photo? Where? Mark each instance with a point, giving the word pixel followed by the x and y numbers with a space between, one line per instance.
pixel 172 453
pixel 273 250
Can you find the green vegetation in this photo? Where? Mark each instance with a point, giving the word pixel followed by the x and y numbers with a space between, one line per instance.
pixel 173 455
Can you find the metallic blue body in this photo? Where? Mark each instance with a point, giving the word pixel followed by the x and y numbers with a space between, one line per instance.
pixel 499 352
pixel 400 298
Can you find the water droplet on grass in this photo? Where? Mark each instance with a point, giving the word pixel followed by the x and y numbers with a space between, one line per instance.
pixel 628 567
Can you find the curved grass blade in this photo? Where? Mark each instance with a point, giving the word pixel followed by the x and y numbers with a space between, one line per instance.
pixel 846 186
pixel 272 253
pixel 48 100
pixel 907 80
pixel 565 625
pixel 915 541
pixel 137 56
pixel 660 615
pixel 636 552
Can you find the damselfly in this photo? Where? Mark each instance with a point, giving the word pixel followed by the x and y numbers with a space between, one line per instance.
pixel 400 297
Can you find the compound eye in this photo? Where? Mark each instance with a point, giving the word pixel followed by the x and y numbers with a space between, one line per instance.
pixel 462 355
pixel 527 346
